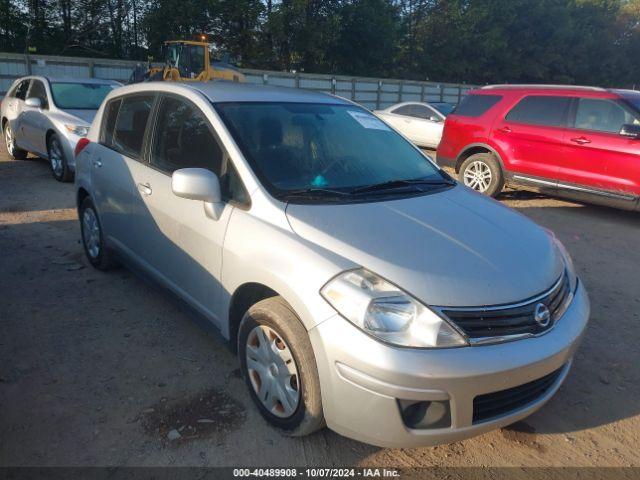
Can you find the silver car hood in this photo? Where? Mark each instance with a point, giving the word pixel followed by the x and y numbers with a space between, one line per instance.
pixel 453 248
pixel 85 116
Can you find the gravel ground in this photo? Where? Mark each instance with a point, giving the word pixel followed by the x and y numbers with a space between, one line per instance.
pixel 101 368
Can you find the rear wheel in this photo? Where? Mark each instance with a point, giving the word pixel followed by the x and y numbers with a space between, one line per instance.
pixel 279 367
pixel 482 173
pixel 14 152
pixel 93 237
pixel 58 160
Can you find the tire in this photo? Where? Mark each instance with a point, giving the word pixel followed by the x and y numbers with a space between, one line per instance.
pixel 289 339
pixel 14 152
pixel 93 241
pixel 482 172
pixel 58 160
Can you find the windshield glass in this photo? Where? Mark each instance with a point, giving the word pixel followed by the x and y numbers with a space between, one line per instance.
pixel 634 100
pixel 82 96
pixel 336 149
pixel 444 108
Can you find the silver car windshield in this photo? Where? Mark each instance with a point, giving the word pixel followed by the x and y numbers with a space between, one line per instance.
pixel 79 96
pixel 329 150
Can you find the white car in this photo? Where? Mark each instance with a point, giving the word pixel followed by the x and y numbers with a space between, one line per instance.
pixel 422 123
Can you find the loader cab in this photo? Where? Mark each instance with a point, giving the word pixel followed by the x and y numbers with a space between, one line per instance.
pixel 188 58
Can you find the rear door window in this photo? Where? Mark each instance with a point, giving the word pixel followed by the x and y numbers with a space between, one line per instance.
pixel 131 124
pixel 476 105
pixel 406 110
pixel 109 122
pixel 602 115
pixel 543 110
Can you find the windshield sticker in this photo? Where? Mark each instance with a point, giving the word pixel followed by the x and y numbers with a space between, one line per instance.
pixel 368 121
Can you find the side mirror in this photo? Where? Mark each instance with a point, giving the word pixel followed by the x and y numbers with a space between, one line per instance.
pixel 435 119
pixel 33 102
pixel 630 130
pixel 198 184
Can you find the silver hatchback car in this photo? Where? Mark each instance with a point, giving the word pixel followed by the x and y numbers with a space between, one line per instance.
pixel 47 117
pixel 362 287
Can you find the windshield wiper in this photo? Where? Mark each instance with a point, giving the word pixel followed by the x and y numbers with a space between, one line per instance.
pixel 313 192
pixel 396 184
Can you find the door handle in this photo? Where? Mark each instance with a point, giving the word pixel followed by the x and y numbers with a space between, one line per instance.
pixel 505 130
pixel 145 189
pixel 581 140
pixel 97 163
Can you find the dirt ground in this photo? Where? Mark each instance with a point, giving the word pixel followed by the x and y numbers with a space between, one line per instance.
pixel 97 368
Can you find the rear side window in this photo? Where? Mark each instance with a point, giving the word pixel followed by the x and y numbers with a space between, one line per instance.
pixel 476 105
pixel 131 123
pixel 109 122
pixel 21 91
pixel 540 110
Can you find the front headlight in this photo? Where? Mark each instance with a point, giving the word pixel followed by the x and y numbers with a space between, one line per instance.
pixel 387 313
pixel 568 262
pixel 79 130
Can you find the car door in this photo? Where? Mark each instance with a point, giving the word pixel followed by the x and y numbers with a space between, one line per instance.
pixel 400 119
pixel 181 243
pixel 16 107
pixel 532 136
pixel 427 125
pixel 597 156
pixel 33 122
pixel 114 160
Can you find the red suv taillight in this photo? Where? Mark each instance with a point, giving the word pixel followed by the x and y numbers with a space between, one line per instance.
pixel 82 143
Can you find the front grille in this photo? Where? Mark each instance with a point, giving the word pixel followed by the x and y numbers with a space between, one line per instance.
pixel 505 320
pixel 496 404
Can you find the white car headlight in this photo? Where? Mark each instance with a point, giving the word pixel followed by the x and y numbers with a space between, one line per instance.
pixel 79 130
pixel 387 313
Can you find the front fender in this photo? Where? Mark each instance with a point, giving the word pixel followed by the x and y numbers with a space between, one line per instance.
pixel 271 254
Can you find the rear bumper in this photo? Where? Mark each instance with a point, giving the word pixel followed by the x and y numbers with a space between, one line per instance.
pixel 362 380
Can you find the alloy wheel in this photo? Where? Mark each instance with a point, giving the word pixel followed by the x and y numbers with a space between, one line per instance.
pixel 91 232
pixel 8 138
pixel 478 176
pixel 55 157
pixel 273 371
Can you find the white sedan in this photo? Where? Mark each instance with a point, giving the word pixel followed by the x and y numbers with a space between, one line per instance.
pixel 422 123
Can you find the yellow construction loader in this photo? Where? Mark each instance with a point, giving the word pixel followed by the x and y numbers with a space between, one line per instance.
pixel 187 61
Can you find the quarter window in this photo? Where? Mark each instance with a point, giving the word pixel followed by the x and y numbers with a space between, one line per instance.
pixel 602 115
pixel 540 110
pixel 476 105
pixel 130 125
pixel 38 91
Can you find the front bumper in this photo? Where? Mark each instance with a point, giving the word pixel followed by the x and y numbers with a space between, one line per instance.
pixel 362 379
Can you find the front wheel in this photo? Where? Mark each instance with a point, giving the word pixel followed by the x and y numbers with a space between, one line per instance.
pixel 14 152
pixel 482 173
pixel 58 160
pixel 279 367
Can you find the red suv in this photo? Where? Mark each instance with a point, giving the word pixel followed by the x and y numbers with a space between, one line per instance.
pixel 578 142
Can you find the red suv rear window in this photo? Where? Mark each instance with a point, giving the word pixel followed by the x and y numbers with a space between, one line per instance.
pixel 476 105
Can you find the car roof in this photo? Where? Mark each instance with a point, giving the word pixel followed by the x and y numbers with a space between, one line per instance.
pixel 543 87
pixel 221 91
pixel 98 81
pixel 225 91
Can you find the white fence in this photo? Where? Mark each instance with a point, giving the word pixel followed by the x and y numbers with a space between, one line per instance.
pixel 373 93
